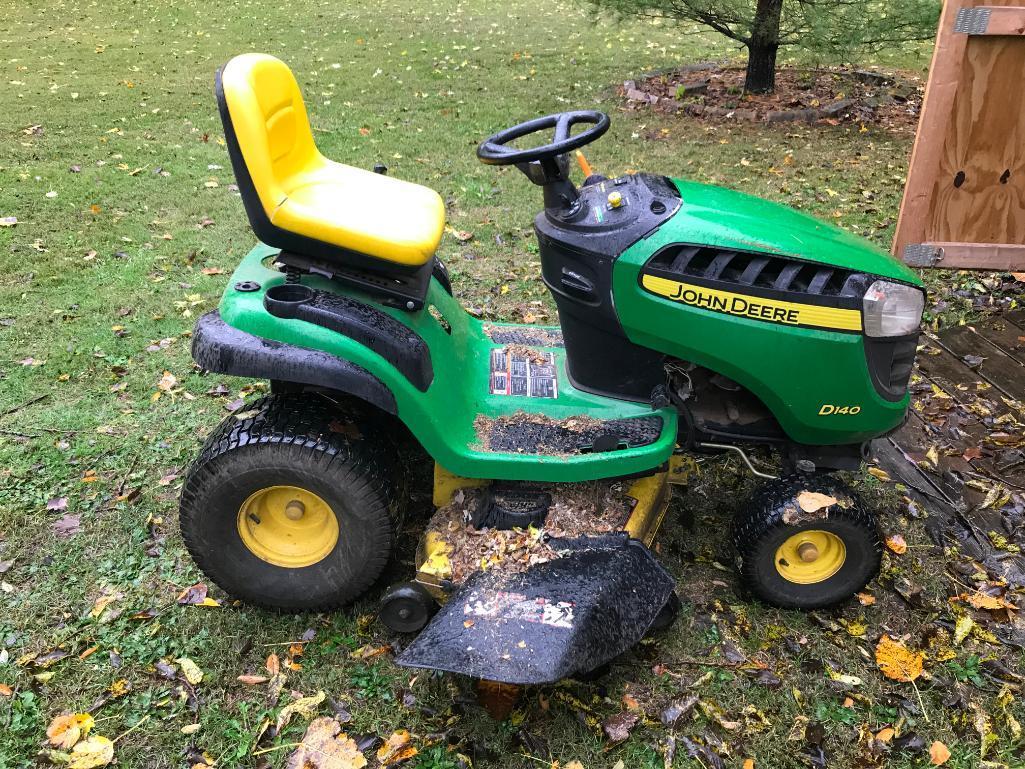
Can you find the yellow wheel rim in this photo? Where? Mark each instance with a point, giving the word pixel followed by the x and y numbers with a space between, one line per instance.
pixel 288 526
pixel 810 556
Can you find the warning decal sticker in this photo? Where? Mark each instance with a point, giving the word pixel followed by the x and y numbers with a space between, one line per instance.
pixel 523 371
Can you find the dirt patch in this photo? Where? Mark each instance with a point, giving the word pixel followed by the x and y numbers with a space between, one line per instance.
pixel 578 509
pixel 831 96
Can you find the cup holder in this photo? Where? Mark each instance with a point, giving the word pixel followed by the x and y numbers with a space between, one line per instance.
pixel 285 298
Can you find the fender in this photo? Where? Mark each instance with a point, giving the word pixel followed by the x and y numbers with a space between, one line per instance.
pixel 218 347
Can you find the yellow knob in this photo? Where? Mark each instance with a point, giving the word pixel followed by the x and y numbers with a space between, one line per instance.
pixel 615 199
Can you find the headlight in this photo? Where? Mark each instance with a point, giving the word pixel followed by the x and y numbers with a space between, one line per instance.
pixel 892 309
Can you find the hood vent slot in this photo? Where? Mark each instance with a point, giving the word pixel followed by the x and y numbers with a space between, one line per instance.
pixel 765 271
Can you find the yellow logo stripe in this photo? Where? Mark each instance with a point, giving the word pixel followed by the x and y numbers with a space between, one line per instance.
pixel 757 307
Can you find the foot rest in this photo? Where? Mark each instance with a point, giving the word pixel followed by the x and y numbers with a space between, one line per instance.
pixel 534 434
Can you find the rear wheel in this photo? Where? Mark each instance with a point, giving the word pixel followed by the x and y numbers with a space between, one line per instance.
pixel 806 542
pixel 289 505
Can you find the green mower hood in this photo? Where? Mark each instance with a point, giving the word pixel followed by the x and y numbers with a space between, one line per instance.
pixel 725 218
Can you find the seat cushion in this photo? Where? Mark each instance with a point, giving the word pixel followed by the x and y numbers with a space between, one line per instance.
pixel 362 211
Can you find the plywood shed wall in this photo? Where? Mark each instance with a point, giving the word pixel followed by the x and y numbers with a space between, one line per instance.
pixel 964 202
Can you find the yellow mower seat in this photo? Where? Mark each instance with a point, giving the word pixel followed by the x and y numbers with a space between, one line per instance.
pixel 299 200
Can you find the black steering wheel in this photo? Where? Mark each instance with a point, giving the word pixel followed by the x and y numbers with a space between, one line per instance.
pixel 494 150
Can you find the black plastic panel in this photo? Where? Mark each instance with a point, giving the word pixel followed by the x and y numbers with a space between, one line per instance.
pixel 392 340
pixel 218 347
pixel 890 361
pixel 570 615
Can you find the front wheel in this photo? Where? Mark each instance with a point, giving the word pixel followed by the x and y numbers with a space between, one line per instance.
pixel 289 505
pixel 806 542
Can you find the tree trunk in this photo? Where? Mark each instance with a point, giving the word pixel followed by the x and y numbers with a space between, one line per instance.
pixel 762 47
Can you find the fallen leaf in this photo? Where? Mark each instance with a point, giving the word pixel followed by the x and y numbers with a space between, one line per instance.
pixel 304 706
pixel 939 753
pixel 250 680
pixel 880 473
pixel 6 691
pixel 980 600
pixel 896 543
pixel 369 652
pixel 813 501
pixel 92 752
pixel 67 525
pixel 896 661
pixel 273 664
pixel 325 746
pixel 196 596
pixel 396 749
pixel 65 730
pixel 617 728
pixel 190 670
pixel 167 382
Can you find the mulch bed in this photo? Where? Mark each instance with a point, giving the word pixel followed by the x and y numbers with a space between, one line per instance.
pixel 830 96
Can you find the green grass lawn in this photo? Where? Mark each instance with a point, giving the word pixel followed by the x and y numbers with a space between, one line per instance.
pixel 113 163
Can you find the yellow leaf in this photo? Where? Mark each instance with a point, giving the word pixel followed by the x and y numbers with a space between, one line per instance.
pixel 980 600
pixel 896 661
pixel 749 763
pixel 65 730
pixel 190 670
pixel 396 749
pixel 305 706
pixel 91 753
pixel 939 754
pixel 325 746
pixel 879 473
pixel 962 628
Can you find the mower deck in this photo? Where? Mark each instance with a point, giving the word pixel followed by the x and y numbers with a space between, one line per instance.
pixel 486 400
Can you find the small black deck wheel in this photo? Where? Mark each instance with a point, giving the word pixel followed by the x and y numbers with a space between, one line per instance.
pixel 406 608
pixel 289 505
pixel 806 542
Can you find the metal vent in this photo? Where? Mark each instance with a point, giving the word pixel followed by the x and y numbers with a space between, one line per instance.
pixel 765 271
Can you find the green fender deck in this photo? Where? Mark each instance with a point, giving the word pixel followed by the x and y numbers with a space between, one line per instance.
pixel 443 418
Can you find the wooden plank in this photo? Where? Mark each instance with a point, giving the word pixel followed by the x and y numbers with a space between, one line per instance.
pixel 1003 334
pixel 999 369
pixel 1003 20
pixel 940 91
pixel 966 183
pixel 948 371
pixel 1017 317
pixel 973 256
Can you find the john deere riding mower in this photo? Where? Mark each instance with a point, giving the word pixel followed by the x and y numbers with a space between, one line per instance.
pixel 693 319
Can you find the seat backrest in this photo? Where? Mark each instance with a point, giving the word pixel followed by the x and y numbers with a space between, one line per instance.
pixel 268 125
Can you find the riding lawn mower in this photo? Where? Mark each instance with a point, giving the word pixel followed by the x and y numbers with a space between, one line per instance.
pixel 692 320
